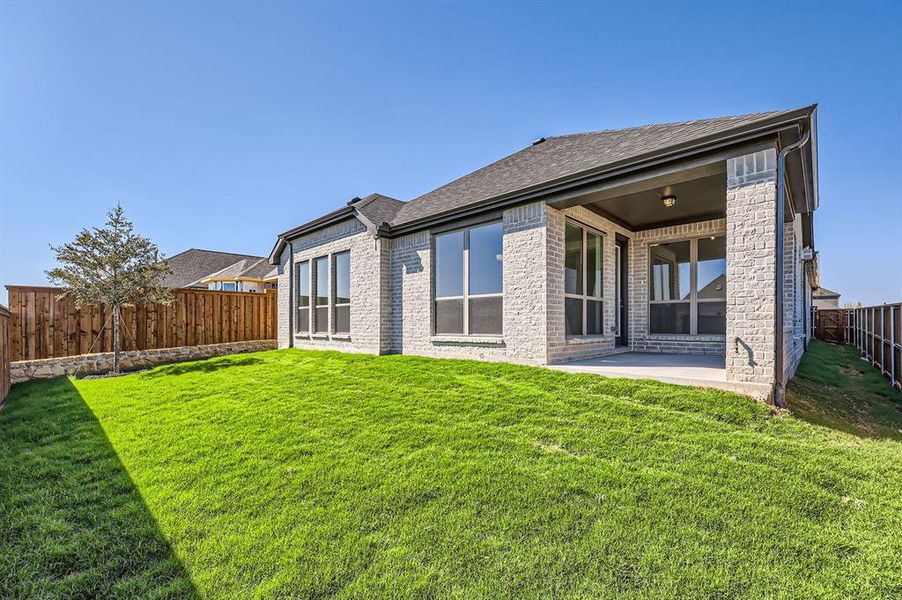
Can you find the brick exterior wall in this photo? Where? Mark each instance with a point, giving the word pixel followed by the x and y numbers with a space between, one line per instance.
pixel 523 339
pixel 751 258
pixel 793 293
pixel 560 347
pixel 392 298
pixel 367 269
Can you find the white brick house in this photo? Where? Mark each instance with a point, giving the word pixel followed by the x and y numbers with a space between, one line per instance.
pixel 661 238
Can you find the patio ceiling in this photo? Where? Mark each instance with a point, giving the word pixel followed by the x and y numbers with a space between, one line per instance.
pixel 696 200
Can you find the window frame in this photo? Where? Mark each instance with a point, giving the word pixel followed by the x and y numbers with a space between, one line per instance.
pixel 465 290
pixel 314 295
pixel 333 291
pixel 693 299
pixel 584 297
pixel 298 295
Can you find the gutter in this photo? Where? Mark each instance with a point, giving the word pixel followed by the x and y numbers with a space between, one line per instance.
pixel 779 399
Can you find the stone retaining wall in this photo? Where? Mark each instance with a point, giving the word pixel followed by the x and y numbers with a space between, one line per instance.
pixel 86 364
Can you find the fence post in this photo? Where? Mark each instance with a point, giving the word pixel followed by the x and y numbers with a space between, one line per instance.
pixel 892 345
pixel 882 342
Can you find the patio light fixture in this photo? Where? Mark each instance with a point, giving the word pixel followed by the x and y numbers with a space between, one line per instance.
pixel 669 200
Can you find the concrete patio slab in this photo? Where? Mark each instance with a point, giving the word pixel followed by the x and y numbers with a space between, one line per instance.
pixel 681 369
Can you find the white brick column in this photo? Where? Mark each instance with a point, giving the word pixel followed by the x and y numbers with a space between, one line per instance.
pixel 751 265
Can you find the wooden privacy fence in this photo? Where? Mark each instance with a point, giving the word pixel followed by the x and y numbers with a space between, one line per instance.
pixel 43 327
pixel 875 330
pixel 4 353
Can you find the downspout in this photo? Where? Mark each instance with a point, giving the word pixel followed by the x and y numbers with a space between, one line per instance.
pixel 291 304
pixel 778 279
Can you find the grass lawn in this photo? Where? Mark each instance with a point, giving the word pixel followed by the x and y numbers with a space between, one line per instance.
pixel 311 474
pixel 834 387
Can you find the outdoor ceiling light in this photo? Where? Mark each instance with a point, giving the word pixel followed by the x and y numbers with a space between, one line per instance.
pixel 669 200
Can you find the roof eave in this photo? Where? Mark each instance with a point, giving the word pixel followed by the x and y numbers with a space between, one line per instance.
pixel 329 219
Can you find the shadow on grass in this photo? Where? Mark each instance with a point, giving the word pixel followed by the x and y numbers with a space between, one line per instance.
pixel 72 522
pixel 834 388
pixel 204 366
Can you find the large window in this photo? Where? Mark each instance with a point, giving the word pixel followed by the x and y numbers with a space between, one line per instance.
pixel 468 281
pixel 321 295
pixel 341 294
pixel 302 277
pixel 688 287
pixel 583 278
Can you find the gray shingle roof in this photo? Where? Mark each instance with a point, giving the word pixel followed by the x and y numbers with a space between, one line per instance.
pixel 567 155
pixel 555 159
pixel 190 266
pixel 246 268
pixel 378 208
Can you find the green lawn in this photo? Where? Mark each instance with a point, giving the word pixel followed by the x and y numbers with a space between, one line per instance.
pixel 311 474
pixel 835 388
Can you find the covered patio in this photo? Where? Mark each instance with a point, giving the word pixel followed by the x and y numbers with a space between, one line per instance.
pixel 672 273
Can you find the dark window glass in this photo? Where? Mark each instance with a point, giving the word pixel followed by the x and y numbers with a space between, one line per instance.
pixel 321 317
pixel 486 247
pixel 485 315
pixel 712 317
pixel 573 259
pixel 321 290
pixel 670 278
pixel 449 316
pixel 303 284
pixel 449 264
pixel 669 318
pixel 593 265
pixel 594 318
pixel 573 316
pixel 303 324
pixel 342 319
pixel 343 278
pixel 229 286
pixel 712 268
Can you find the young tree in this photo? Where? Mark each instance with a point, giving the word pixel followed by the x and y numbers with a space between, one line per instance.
pixel 112 266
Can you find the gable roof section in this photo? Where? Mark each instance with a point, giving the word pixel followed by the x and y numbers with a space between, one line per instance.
pixel 378 209
pixel 559 160
pixel 245 269
pixel 824 293
pixel 192 265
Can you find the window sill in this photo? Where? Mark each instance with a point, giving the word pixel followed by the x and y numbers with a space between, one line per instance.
pixel 485 340
pixel 686 337
pixel 335 337
pixel 575 340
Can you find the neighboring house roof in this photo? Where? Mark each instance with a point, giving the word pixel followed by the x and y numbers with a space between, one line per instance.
pixel 716 289
pixel 192 266
pixel 549 162
pixel 823 293
pixel 246 269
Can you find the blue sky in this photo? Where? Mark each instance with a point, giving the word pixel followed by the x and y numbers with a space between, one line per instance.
pixel 217 125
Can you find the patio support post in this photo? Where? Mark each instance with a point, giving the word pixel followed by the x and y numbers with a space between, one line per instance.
pixel 751 267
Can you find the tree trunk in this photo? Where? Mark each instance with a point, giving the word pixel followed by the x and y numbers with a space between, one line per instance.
pixel 116 339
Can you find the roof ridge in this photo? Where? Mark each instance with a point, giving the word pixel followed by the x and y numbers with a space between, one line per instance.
pixel 671 124
pixel 217 252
